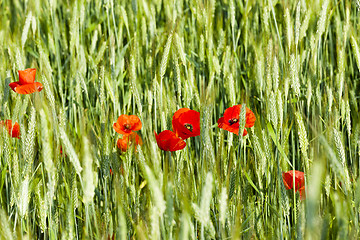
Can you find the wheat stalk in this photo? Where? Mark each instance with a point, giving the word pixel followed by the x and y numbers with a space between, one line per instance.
pixel 26 29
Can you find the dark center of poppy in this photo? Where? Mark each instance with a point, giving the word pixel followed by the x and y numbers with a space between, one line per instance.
pixel 232 121
pixel 127 126
pixel 188 126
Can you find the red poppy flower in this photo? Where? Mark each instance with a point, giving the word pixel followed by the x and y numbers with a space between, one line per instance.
pixel 230 120
pixel 186 123
pixel 126 124
pixel 26 83
pixel 168 141
pixel 127 140
pixel 14 131
pixel 288 178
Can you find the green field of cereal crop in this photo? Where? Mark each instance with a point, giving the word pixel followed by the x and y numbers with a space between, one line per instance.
pixel 179 119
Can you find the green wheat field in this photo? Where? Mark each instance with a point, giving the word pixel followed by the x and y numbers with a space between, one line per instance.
pixel 295 64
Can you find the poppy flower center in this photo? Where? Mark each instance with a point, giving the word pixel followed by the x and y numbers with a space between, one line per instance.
pixel 127 126
pixel 188 126
pixel 232 121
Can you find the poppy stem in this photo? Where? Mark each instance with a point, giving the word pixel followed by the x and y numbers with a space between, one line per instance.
pixel 163 165
pixel 239 159
pixel 170 165
pixel 170 160
pixel 280 195
pixel 241 143
pixel 166 162
pixel 293 185
pixel 31 99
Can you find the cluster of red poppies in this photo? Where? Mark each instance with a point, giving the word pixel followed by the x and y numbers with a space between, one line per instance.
pixel 127 125
pixel 25 85
pixel 185 123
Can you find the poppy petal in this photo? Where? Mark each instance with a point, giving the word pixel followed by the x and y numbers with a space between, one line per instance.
pixel 123 118
pixel 135 138
pixel 302 193
pixel 179 112
pixel 27 76
pixel 177 144
pixel 222 124
pixel 230 121
pixel 250 118
pixel 232 113
pixel 126 124
pixel 14 85
pixel 245 133
pixel 135 123
pixel 16 131
pixel 120 123
pixel 288 179
pixel 186 123
pixel 127 140
pixel 116 127
pixel 26 88
pixel 138 140
pixel 168 141
pixel 122 144
pixel 192 117
pixel 13 130
pixel 175 121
